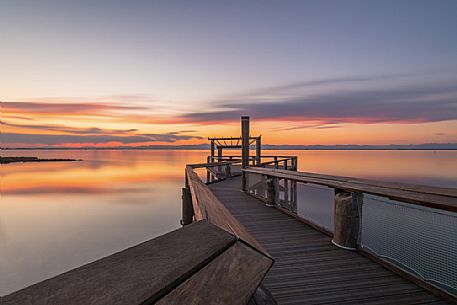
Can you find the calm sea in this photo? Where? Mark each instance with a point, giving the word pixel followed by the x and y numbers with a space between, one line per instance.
pixel 57 216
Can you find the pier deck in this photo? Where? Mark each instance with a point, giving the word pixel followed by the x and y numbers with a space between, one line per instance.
pixel 308 268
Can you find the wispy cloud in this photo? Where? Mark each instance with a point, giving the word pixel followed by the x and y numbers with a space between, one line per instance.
pixel 85 136
pixel 71 130
pixel 60 139
pixel 66 108
pixel 409 104
pixel 351 80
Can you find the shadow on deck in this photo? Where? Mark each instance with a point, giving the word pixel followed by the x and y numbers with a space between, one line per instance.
pixel 308 268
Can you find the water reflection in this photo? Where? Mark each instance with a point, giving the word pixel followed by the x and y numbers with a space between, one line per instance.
pixel 437 168
pixel 56 216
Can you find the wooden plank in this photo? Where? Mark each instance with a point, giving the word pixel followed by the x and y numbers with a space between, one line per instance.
pixel 142 273
pixel 207 206
pixel 231 278
pixel 412 195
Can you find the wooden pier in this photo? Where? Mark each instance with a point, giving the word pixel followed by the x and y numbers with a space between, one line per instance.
pixel 249 237
pixel 315 264
pixel 308 268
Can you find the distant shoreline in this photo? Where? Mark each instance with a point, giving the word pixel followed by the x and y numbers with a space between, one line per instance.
pixel 7 160
pixel 204 146
pixel 303 149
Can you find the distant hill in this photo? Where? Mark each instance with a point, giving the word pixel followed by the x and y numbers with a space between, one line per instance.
pixel 427 146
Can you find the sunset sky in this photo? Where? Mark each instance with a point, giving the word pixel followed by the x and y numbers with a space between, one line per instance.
pixel 117 73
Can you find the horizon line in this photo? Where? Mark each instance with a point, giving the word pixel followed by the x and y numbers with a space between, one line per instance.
pixel 422 146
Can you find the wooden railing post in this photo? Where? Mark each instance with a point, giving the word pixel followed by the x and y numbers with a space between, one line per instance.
pixel 346 219
pixel 276 162
pixel 208 174
pixel 294 197
pixel 228 171
pixel 286 194
pixel 219 159
pixel 271 191
pixel 244 149
pixel 212 149
pixel 187 208
pixel 258 151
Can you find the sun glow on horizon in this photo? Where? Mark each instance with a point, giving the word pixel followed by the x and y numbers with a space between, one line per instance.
pixel 74 125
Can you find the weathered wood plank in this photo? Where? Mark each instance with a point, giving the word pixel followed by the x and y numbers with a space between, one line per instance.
pixel 207 206
pixel 231 278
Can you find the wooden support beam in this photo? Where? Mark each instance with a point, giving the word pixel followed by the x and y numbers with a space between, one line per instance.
pixel 208 173
pixel 187 208
pixel 219 159
pixel 245 141
pixel 258 151
pixel 219 154
pixel 244 149
pixel 212 148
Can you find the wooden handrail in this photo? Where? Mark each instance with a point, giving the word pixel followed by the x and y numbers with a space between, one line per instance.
pixel 212 164
pixel 252 157
pixel 199 264
pixel 207 206
pixel 278 160
pixel 434 197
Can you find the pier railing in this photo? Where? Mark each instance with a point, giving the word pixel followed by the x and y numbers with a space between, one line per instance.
pixel 411 229
pixel 200 204
pixel 205 205
pixel 282 162
pixel 198 264
pixel 219 168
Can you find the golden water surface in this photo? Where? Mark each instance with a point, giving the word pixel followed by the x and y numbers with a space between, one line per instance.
pixel 55 216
